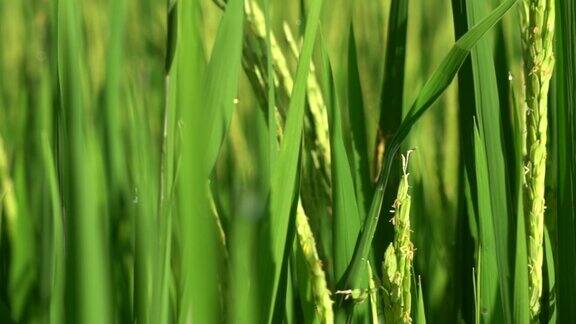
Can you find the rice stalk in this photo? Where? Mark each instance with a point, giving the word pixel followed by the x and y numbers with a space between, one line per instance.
pixel 397 266
pixel 373 293
pixel 537 41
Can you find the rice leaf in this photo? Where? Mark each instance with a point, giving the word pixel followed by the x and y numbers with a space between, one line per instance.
pixel 347 220
pixel 549 310
pixel 489 296
pixel 58 264
pixel 88 283
pixel 566 168
pixel 206 105
pixel 360 162
pixel 487 103
pixel 243 273
pixel 392 94
pixel 285 170
pixel 222 76
pixel 521 313
pixel 420 316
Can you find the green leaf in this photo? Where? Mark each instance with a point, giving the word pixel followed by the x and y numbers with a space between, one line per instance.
pixel 114 61
pixel 285 170
pixel 88 283
pixel 58 264
pixel 420 316
pixel 360 162
pixel 206 102
pixel 487 110
pixel 521 313
pixel 222 77
pixel 489 296
pixel 244 282
pixel 392 95
pixel 549 309
pixel 347 218
pixel 566 169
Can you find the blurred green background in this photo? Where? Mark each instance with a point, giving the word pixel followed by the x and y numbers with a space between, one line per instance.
pixel 84 90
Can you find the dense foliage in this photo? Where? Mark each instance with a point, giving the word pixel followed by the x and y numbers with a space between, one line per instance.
pixel 264 161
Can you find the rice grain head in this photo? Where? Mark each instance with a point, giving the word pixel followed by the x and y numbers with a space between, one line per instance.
pixel 397 266
pixel 537 41
pixel 318 277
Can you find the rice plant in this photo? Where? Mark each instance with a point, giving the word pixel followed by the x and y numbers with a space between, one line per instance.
pixel 263 161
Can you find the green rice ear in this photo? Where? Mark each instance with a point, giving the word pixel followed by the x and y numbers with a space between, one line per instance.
pixel 389 266
pixel 320 289
pixel 397 267
pixel 538 51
